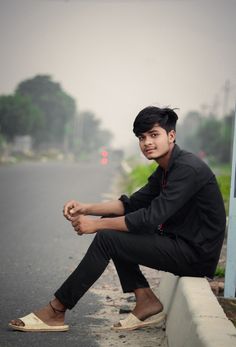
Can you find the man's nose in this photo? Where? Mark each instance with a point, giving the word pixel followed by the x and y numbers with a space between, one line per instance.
pixel 147 141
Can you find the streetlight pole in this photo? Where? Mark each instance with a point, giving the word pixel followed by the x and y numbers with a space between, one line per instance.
pixel 230 275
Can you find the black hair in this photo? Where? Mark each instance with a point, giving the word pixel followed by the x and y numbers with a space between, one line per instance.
pixel 166 118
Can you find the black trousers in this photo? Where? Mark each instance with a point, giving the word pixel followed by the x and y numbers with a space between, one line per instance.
pixel 127 251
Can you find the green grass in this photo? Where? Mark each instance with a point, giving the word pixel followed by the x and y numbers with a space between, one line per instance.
pixel 224 184
pixel 220 271
pixel 138 177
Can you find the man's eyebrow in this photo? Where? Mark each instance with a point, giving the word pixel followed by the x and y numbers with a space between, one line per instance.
pixel 148 132
pixel 153 131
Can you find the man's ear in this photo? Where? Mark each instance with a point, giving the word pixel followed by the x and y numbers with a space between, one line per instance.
pixel 172 136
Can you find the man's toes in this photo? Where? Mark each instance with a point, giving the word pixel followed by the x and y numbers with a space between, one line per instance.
pixel 117 325
pixel 17 322
pixel 13 321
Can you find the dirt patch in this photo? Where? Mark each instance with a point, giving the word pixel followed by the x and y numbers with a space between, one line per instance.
pixel 228 305
pixel 217 286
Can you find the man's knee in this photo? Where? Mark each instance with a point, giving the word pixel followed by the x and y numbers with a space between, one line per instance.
pixel 107 240
pixel 105 235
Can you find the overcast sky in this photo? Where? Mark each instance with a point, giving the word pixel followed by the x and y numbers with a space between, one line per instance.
pixel 116 57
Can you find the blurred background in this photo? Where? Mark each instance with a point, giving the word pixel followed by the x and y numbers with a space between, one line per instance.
pixel 75 73
pixel 73 76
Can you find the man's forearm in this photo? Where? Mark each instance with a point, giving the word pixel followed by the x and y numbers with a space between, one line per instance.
pixel 116 223
pixel 105 208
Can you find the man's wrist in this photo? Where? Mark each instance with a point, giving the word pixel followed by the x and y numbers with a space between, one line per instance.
pixel 86 209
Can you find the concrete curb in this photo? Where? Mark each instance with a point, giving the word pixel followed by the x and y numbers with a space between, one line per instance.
pixel 194 316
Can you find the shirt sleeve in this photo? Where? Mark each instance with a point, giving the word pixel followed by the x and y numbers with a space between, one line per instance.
pixel 144 196
pixel 181 186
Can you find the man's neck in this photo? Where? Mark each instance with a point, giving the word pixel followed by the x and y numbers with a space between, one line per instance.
pixel 164 161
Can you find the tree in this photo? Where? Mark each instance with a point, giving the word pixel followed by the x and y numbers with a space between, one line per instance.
pixel 89 135
pixel 186 131
pixel 57 107
pixel 18 116
pixel 207 134
pixel 225 150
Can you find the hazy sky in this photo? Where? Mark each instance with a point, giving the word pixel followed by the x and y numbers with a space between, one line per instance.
pixel 116 57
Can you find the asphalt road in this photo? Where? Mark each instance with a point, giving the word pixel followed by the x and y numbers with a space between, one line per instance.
pixel 38 247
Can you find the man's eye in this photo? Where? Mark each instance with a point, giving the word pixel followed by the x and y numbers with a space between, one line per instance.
pixel 140 138
pixel 155 135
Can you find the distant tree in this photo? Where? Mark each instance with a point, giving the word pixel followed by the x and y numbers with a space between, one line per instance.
pixel 2 143
pixel 207 134
pixel 57 107
pixel 224 153
pixel 18 116
pixel 89 134
pixel 186 131
pixel 104 137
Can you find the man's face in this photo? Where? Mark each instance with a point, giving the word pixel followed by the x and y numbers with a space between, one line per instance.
pixel 156 143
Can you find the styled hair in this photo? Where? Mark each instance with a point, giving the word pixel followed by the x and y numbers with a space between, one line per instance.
pixel 166 118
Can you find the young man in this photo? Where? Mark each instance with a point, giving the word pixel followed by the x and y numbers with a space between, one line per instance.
pixel 175 223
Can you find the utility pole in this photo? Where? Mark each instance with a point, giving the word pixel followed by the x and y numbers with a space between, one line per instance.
pixel 230 275
pixel 227 89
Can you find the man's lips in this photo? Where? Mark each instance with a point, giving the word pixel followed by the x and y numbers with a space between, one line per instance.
pixel 149 150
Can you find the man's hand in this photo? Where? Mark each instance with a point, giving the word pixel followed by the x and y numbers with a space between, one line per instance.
pixel 73 208
pixel 83 225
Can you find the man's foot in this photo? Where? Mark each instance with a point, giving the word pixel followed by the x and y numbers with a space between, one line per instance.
pixel 147 304
pixel 53 314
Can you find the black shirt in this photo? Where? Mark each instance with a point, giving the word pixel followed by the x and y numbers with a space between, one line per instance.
pixel 184 202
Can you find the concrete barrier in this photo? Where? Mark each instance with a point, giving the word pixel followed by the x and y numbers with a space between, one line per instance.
pixel 194 316
pixel 167 288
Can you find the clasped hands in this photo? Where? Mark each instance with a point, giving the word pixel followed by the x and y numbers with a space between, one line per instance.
pixel 74 212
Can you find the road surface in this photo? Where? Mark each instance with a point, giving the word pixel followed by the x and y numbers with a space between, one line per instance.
pixel 39 248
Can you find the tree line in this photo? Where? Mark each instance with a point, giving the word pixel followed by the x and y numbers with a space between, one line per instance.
pixel 39 107
pixel 208 136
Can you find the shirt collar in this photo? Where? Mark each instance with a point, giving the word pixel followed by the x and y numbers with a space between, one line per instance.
pixel 175 153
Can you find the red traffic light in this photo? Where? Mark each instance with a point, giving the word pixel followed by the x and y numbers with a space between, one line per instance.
pixel 104 159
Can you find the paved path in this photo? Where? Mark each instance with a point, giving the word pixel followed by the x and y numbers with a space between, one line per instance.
pixel 39 249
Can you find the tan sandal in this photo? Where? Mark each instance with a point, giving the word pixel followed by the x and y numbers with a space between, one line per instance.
pixel 34 324
pixel 131 322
